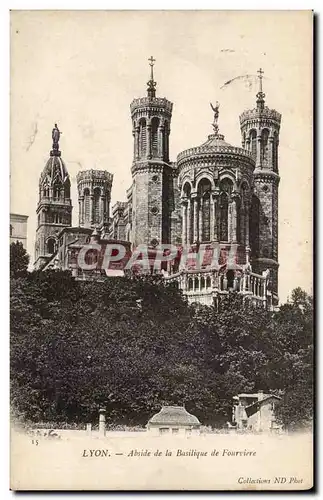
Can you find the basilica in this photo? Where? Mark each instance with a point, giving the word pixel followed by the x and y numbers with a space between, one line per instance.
pixel 214 193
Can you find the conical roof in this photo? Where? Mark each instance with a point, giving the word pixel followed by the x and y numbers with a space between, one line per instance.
pixel 174 415
pixel 54 172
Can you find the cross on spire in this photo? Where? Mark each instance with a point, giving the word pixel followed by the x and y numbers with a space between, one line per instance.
pixel 260 73
pixel 260 95
pixel 151 84
pixel 151 64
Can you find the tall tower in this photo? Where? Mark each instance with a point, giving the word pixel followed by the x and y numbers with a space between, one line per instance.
pixel 94 194
pixel 54 209
pixel 151 171
pixel 260 135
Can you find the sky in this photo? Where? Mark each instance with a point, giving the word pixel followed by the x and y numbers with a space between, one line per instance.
pixel 82 69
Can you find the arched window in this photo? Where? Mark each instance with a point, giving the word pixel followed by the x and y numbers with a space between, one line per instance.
pixel 226 188
pixel 154 136
pixel 254 225
pixel 190 284
pixel 208 282
pixel 189 221
pixel 264 144
pixel 57 191
pixel 243 212
pixel 253 143
pixel 187 189
pixel 196 284
pixel 67 189
pixel 202 283
pixel 51 245
pixel 142 137
pixel 224 207
pixel 86 194
pixel 96 206
pixel 230 278
pixel 204 193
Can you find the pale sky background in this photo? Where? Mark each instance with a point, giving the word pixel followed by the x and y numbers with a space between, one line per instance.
pixel 81 69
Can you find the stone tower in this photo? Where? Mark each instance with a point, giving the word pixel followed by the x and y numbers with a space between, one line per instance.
pixel 151 171
pixel 54 209
pixel 260 135
pixel 94 195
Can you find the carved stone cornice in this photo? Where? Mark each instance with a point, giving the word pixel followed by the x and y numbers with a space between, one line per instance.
pixel 260 114
pixel 151 166
pixel 151 104
pixel 266 176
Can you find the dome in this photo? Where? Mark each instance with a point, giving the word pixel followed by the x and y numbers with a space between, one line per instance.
pixel 174 415
pixel 213 147
pixel 55 171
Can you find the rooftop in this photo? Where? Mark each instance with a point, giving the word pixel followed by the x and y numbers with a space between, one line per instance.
pixel 174 415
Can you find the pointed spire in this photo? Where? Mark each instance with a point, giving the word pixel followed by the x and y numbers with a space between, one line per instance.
pixel 260 95
pixel 151 90
pixel 56 133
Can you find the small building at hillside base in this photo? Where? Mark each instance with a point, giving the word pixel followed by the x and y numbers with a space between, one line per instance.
pixel 173 420
pixel 255 412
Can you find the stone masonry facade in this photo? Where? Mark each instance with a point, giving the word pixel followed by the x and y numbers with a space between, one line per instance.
pixel 215 194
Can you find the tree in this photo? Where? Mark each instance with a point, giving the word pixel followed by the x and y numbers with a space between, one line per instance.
pixel 19 259
pixel 134 344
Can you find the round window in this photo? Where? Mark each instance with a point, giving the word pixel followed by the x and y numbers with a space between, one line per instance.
pixel 154 242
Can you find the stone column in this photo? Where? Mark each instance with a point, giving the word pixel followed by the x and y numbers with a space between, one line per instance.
pixel 102 421
pixel 212 218
pixel 166 144
pixel 81 210
pixel 101 209
pixel 184 221
pixel 230 202
pixel 107 209
pixel 134 143
pixel 247 211
pixel 188 224
pixel 271 146
pixel 216 218
pixel 200 218
pixel 195 220
pixel 234 218
pixel 91 208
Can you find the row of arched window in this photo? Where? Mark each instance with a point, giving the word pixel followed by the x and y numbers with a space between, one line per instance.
pixel 230 222
pixel 96 215
pixel 52 218
pixel 250 143
pixel 59 192
pixel 155 148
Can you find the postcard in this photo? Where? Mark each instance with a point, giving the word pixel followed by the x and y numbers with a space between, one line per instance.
pixel 161 307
